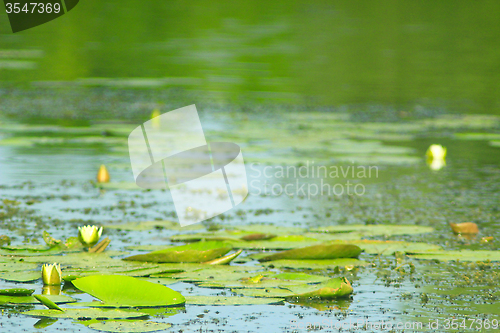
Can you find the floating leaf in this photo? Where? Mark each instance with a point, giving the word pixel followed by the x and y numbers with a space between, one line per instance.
pixel 376 229
pixel 316 264
pixel 257 236
pixel 49 240
pixel 333 288
pixel 322 251
pixel 44 323
pixel 464 228
pixel 17 292
pixel 47 302
pixel 233 300
pixel 86 314
pixel 126 291
pixel 196 252
pixel 21 276
pixel 390 247
pixel 213 273
pixel 129 326
pixel 149 225
pixel 98 248
pixel 302 277
pixel 32 300
pixel 224 260
pixel 264 292
pixel 463 255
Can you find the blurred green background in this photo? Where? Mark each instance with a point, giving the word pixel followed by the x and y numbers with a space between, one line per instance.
pixel 397 55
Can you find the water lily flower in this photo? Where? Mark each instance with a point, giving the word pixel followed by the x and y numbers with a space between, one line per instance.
pixel 436 152
pixel 155 120
pixel 436 157
pixel 89 234
pixel 51 274
pixel 102 174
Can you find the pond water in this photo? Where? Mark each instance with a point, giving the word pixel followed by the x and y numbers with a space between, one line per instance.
pixel 296 85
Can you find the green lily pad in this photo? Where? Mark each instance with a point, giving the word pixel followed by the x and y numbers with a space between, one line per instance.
pixel 333 288
pixel 376 229
pixel 21 276
pixel 302 277
pixel 47 302
pixel 16 266
pixel 17 292
pixel 214 273
pixel 129 326
pixel 233 300
pixel 264 292
pixel 316 264
pixel 390 247
pixel 86 314
pixel 150 225
pixel 463 255
pixel 477 136
pixel 58 299
pixel 321 251
pixel 224 260
pixel 196 252
pixel 44 323
pixel 272 245
pixel 127 291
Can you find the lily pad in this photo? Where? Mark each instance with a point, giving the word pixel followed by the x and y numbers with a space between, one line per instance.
pixel 214 273
pixel 233 300
pixel 196 252
pixel 333 288
pixel 126 291
pixel 376 229
pixel 150 225
pixel 224 260
pixel 86 314
pixel 390 247
pixel 47 302
pixel 17 292
pixel 316 264
pixel 463 255
pixel 129 326
pixel 58 299
pixel 321 251
pixel 21 276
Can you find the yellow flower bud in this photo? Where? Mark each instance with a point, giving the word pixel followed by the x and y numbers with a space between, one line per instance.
pixel 89 234
pixel 51 274
pixel 103 174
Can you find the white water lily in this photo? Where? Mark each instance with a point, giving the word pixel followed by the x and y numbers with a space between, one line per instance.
pixel 51 274
pixel 89 234
pixel 436 152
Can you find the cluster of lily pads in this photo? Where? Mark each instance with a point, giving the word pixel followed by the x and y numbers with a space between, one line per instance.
pixel 259 264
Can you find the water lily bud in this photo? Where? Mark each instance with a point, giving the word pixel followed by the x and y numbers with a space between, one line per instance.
pixel 89 234
pixel 51 274
pixel 437 152
pixel 103 174
pixel 155 121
